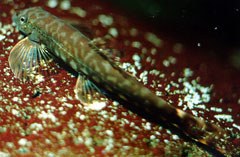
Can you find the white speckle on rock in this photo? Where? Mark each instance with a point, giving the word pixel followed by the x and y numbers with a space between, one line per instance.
pixel 216 109
pixel 96 105
pixel 36 126
pixel 3 154
pixel 147 126
pixel 52 3
pixel 136 44
pixel 22 142
pixel 113 118
pixel 236 126
pixel 224 117
pixel 47 115
pixel 105 20
pixel 109 132
pixel 2 37
pixel 15 112
pixel 82 117
pixel 187 72
pixel 152 38
pixel 113 31
pixel 78 11
pixel 175 137
pixel 136 57
pixel 15 99
pixel 144 77
pixel 65 5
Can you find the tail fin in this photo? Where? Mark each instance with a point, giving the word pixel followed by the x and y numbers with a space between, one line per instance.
pixel 197 129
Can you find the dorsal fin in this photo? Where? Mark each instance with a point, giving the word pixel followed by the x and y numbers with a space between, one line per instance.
pixel 81 27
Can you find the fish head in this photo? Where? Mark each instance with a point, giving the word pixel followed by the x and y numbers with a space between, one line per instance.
pixel 21 20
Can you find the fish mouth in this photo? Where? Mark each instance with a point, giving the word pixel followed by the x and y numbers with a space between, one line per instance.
pixel 24 33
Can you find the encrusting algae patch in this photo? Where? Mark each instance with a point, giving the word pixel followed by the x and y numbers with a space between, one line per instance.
pixel 44 118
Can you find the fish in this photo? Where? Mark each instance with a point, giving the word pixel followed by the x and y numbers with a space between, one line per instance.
pixel 48 37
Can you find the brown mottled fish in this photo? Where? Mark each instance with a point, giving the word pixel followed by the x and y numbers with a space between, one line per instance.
pixel 48 36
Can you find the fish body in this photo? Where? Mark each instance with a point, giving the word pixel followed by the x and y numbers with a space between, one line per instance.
pixel 75 49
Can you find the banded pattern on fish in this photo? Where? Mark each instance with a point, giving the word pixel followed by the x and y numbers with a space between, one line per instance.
pixel 52 35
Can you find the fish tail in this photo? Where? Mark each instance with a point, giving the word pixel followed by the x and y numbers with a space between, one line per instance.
pixel 197 129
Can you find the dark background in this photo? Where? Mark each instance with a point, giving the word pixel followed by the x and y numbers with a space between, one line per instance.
pixel 214 23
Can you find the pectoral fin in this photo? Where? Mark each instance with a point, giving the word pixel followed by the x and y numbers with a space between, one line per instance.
pixel 88 93
pixel 29 59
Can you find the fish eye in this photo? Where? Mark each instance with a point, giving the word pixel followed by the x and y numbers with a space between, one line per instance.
pixel 23 19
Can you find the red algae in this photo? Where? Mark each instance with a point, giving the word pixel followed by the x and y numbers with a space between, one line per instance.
pixel 44 119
